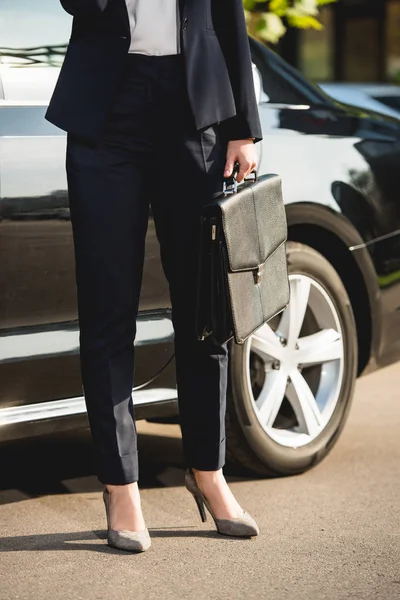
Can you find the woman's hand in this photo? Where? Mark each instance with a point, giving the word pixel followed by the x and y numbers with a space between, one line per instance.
pixel 242 151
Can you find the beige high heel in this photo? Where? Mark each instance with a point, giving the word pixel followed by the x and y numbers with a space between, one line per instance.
pixel 131 541
pixel 243 526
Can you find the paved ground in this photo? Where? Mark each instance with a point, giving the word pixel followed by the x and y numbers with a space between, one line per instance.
pixel 332 533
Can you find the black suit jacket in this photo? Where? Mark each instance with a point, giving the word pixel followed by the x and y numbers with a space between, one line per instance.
pixel 217 61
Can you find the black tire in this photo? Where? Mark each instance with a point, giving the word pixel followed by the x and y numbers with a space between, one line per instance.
pixel 248 444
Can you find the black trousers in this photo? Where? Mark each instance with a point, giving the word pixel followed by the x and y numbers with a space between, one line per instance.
pixel 150 153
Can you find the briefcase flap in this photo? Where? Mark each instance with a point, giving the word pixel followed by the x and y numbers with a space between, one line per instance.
pixel 254 222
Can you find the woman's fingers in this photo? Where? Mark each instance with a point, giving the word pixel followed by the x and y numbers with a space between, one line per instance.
pixel 244 153
pixel 230 162
pixel 244 171
pixel 246 167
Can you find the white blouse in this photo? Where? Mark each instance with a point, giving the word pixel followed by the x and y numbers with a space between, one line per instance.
pixel 154 27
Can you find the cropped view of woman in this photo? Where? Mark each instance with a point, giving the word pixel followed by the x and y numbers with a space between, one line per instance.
pixel 158 100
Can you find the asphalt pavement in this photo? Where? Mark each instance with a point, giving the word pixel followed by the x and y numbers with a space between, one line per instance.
pixel 332 533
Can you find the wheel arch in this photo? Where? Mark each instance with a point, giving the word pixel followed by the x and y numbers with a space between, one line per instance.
pixel 333 236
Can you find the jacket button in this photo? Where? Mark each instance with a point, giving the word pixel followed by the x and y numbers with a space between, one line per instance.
pixel 185 23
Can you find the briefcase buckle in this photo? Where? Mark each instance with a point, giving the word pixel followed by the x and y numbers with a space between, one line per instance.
pixel 257 273
pixel 230 187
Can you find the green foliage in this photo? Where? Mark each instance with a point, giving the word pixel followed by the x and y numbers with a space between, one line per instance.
pixel 268 20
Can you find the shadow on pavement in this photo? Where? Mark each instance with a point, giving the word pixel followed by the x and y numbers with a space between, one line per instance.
pixel 46 465
pixel 85 540
pixel 63 463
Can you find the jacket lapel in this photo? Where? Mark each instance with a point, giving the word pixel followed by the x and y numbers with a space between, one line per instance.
pixel 122 13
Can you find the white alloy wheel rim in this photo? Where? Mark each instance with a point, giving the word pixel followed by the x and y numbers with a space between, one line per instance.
pixel 300 360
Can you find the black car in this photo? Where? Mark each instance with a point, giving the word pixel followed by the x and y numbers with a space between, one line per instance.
pixel 291 384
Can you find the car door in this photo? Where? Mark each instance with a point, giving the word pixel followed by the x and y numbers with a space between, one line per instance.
pixel 341 158
pixel 38 316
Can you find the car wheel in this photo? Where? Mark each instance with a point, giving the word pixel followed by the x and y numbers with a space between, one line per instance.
pixel 292 382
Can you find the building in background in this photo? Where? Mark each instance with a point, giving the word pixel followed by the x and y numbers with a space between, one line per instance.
pixel 360 43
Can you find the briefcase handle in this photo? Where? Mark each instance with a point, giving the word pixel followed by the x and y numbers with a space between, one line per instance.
pixel 230 185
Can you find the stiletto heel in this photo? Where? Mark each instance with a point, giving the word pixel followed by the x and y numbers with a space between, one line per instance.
pixel 200 506
pixel 131 541
pixel 243 526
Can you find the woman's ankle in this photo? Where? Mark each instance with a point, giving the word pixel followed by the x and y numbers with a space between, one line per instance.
pixel 128 488
pixel 125 508
pixel 208 476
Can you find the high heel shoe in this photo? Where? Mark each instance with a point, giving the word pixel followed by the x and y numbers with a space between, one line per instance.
pixel 243 526
pixel 132 541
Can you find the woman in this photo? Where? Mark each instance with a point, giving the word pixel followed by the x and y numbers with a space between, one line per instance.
pixel 158 101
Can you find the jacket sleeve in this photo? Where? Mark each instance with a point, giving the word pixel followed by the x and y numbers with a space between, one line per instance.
pixel 230 27
pixel 84 7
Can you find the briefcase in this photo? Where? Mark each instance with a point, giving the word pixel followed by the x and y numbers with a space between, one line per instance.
pixel 243 279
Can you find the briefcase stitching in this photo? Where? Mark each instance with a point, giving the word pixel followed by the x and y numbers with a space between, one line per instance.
pixel 259 251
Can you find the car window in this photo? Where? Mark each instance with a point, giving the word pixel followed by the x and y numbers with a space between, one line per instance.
pixel 281 83
pixel 33 40
pixel 391 101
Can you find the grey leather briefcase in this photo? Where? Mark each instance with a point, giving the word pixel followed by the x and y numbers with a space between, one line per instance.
pixel 243 279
